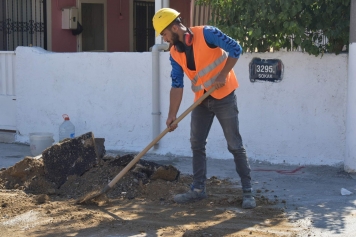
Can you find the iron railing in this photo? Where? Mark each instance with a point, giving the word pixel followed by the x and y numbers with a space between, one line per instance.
pixel 22 23
pixel 143 28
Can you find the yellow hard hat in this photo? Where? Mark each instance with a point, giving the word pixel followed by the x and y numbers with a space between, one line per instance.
pixel 163 18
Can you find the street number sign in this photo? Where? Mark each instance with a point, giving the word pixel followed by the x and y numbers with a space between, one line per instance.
pixel 266 70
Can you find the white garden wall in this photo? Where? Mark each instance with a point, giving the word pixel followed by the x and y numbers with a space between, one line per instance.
pixel 300 120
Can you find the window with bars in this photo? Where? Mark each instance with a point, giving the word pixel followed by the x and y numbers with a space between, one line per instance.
pixel 143 27
pixel 22 23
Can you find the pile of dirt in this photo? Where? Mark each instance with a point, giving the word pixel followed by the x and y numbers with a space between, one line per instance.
pixel 26 195
pixel 28 175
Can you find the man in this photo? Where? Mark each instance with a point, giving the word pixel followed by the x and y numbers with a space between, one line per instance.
pixel 200 53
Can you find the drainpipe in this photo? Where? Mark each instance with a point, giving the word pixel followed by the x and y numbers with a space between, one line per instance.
pixel 155 90
pixel 159 46
pixel 350 157
pixel 165 3
pixel 158 5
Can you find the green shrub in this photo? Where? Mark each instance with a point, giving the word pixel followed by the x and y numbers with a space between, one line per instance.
pixel 260 25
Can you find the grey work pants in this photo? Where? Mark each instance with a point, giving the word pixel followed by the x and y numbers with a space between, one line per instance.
pixel 202 117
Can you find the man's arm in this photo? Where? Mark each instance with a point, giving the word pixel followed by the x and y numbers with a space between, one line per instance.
pixel 176 93
pixel 221 79
pixel 215 38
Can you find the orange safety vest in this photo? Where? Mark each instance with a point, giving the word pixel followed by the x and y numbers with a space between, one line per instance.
pixel 208 64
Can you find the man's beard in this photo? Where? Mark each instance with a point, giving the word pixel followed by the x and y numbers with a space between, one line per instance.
pixel 175 38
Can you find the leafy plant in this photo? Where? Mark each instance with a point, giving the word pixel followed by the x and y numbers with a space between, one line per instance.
pixel 260 25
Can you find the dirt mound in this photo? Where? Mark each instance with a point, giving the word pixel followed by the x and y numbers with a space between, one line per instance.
pixel 28 175
pixel 140 203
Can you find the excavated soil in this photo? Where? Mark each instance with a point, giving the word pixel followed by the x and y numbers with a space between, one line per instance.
pixel 137 205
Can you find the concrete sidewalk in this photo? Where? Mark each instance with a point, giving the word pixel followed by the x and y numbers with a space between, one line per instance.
pixel 310 195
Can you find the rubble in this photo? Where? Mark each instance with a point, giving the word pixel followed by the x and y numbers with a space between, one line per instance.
pixel 141 200
pixel 76 166
pixel 70 157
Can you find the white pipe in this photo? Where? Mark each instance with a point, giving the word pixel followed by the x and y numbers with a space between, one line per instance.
pixel 155 90
pixel 156 113
pixel 165 3
pixel 158 5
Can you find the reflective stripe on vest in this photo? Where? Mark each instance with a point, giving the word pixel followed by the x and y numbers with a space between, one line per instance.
pixel 206 70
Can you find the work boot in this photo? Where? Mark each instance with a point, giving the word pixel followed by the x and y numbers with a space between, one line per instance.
pixel 248 201
pixel 192 195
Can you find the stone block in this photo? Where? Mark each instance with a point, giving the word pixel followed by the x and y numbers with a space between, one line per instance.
pixel 100 147
pixel 70 157
pixel 166 172
pixel 145 169
pixel 7 136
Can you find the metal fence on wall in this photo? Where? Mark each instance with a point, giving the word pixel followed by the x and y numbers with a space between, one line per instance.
pixel 143 27
pixel 22 23
pixel 200 14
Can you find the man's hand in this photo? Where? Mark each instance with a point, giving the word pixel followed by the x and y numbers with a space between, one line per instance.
pixel 169 122
pixel 220 81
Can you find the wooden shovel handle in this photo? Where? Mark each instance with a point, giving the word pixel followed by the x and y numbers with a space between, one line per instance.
pixel 149 146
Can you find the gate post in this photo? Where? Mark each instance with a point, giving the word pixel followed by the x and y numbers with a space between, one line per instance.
pixel 350 156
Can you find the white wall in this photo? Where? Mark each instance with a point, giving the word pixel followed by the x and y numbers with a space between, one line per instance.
pixel 7 90
pixel 300 120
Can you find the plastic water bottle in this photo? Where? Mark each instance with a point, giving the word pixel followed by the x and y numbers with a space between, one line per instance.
pixel 66 129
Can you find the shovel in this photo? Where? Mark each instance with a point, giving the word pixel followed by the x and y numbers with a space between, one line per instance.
pixel 96 195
